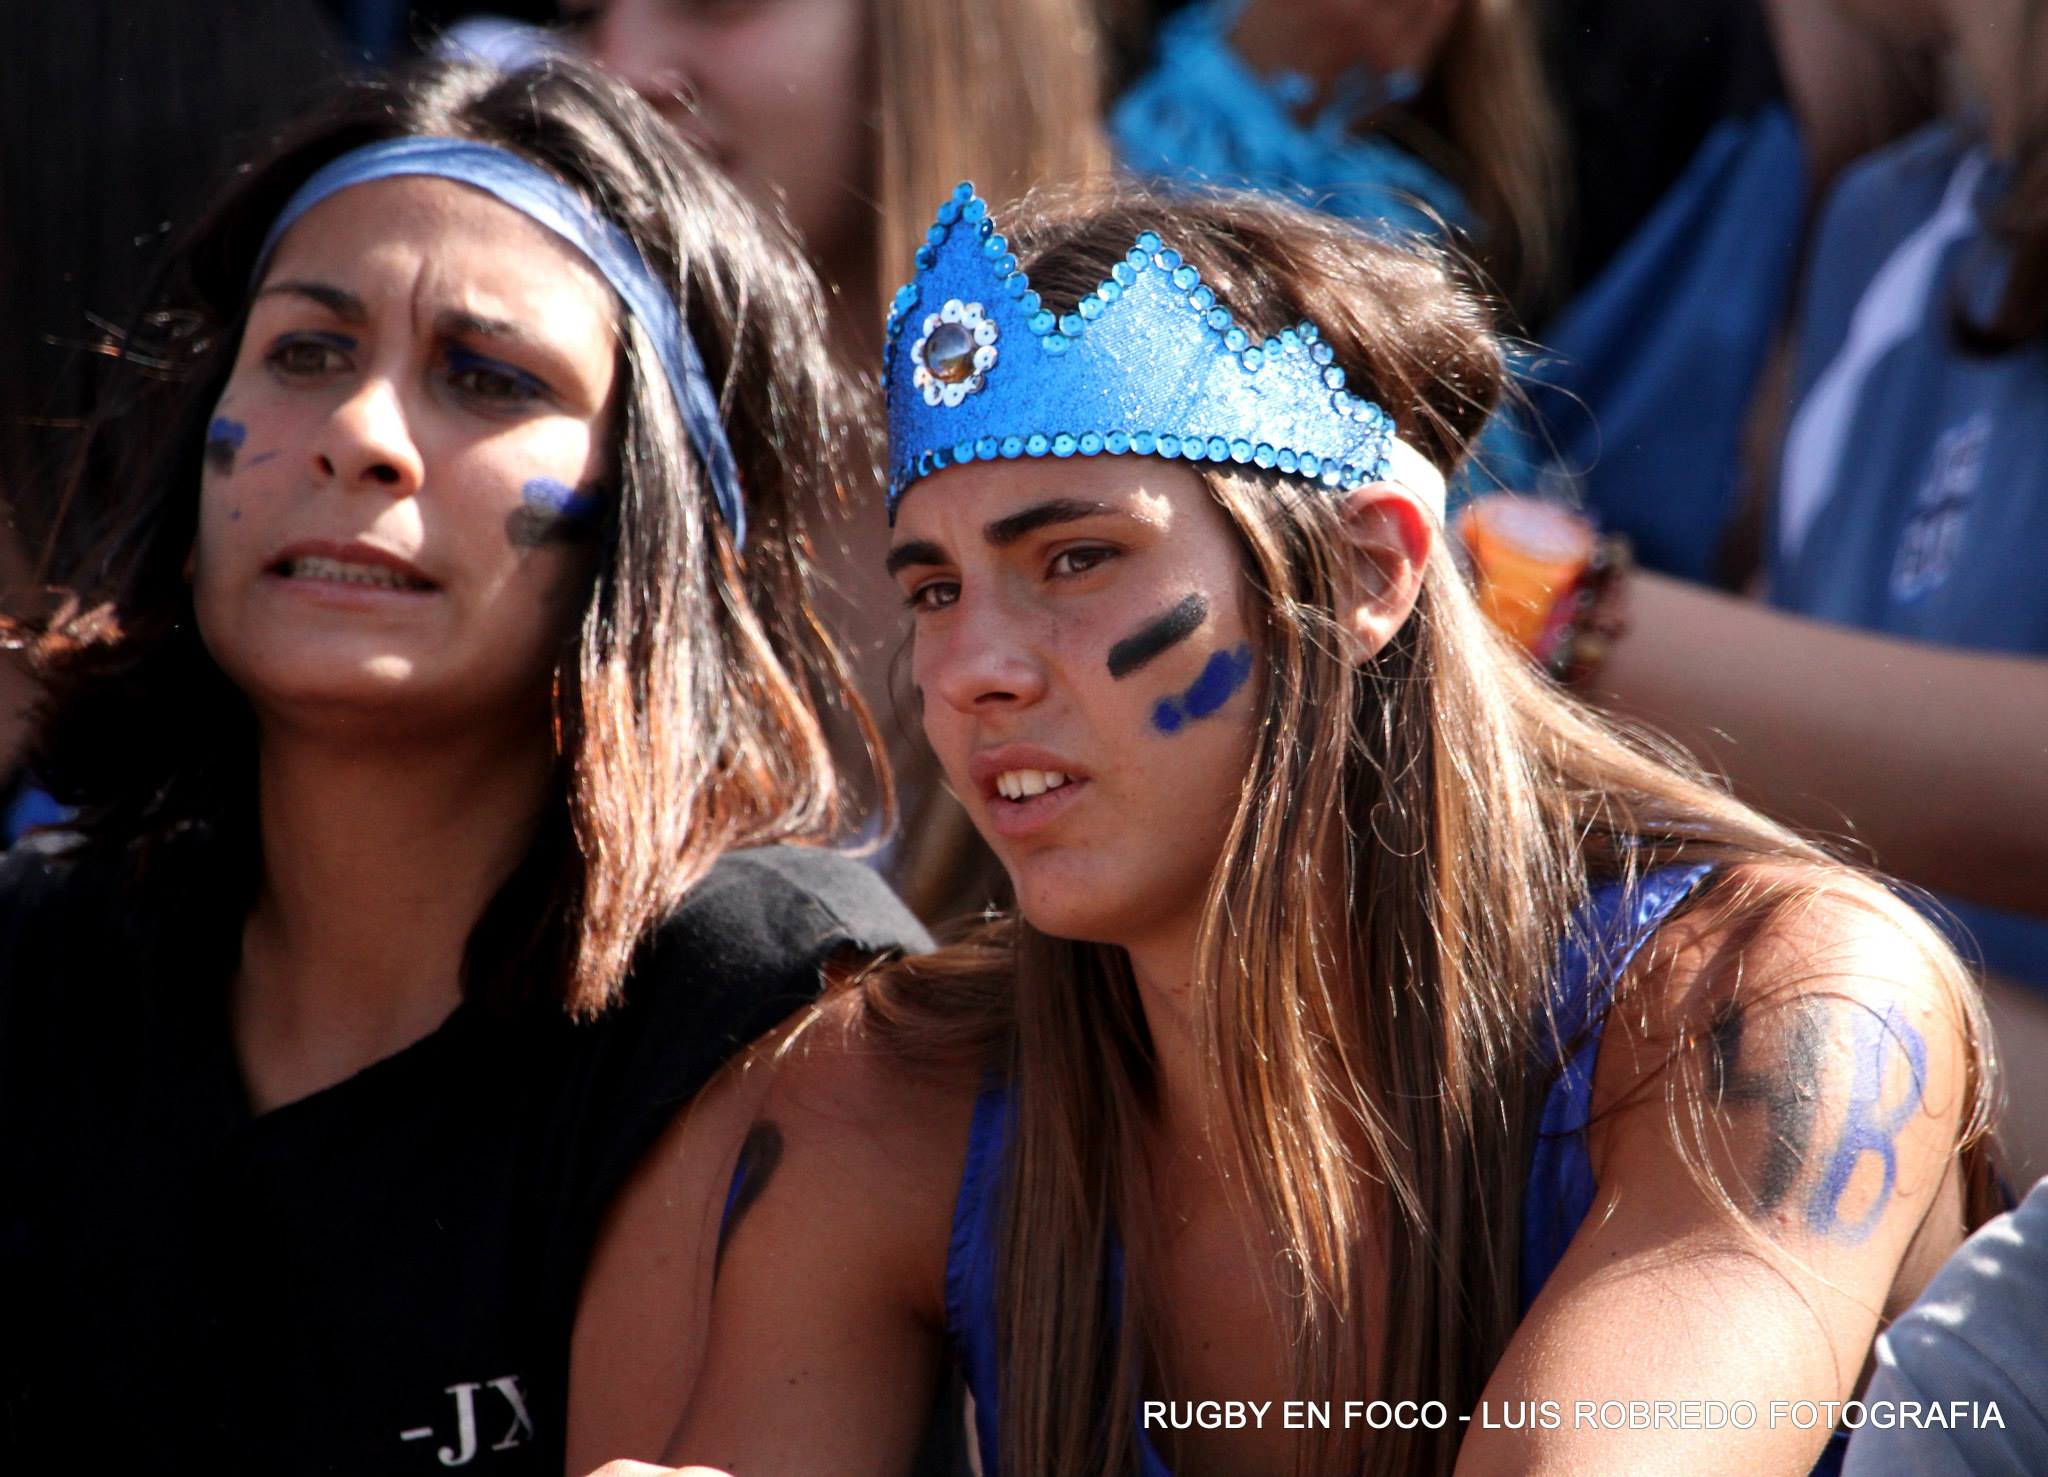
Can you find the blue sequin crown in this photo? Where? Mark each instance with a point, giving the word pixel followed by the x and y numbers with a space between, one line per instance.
pixel 1149 364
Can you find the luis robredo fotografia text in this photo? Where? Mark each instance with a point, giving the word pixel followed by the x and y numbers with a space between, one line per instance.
pixel 1574 1415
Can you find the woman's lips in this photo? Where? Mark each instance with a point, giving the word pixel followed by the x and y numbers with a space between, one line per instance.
pixel 1033 813
pixel 355 570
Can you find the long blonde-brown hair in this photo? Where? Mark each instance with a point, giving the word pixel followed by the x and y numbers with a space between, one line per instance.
pixel 1411 842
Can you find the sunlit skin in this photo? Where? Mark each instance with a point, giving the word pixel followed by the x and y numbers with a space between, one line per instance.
pixel 416 356
pixel 1011 656
pixel 775 91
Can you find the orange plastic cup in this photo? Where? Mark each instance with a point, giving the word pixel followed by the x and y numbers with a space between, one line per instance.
pixel 1528 553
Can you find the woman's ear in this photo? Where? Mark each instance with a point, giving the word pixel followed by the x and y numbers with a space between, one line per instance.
pixel 1390 538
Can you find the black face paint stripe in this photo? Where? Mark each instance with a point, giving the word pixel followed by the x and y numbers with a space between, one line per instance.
pixel 1163 634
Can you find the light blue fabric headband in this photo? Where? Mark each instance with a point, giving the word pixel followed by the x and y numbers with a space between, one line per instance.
pixel 535 193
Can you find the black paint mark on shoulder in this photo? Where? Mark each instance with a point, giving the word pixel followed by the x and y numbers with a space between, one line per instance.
pixel 1788 1091
pixel 760 1154
pixel 1157 636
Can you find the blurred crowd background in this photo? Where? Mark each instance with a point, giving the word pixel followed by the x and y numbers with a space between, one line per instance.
pixel 1778 270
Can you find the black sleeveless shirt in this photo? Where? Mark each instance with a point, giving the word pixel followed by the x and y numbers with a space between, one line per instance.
pixel 381 1277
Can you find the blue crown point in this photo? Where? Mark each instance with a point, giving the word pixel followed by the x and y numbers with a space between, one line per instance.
pixel 978 368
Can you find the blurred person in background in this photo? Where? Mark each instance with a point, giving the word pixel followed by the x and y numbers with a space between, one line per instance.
pixel 850 117
pixel 1974 1336
pixel 1912 499
pixel 1420 116
pixel 441 704
pixel 1898 688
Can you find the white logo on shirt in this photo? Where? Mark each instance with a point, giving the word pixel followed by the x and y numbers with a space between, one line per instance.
pixel 464 1449
pixel 1933 536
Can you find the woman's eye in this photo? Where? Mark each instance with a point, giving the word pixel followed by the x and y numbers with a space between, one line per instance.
pixel 492 380
pixel 1069 562
pixel 933 595
pixel 309 354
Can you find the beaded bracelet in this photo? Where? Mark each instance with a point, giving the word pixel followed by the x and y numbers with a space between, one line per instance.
pixel 1592 616
pixel 1547 580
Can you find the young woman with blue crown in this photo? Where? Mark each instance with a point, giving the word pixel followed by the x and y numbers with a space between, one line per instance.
pixel 437 703
pixel 852 116
pixel 1390 1067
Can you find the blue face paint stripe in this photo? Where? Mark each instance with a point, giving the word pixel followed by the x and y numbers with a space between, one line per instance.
pixel 1221 676
pixel 549 496
pixel 224 437
pixel 550 511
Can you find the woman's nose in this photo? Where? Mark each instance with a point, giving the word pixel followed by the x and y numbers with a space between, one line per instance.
pixel 368 443
pixel 983 660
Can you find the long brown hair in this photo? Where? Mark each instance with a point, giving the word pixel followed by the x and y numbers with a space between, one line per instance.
pixel 1425 824
pixel 687 695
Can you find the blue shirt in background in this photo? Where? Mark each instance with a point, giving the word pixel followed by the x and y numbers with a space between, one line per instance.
pixel 1913 496
pixel 1639 394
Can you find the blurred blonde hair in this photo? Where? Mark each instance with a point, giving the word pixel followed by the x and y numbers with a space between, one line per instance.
pixel 1007 93
pixel 1498 108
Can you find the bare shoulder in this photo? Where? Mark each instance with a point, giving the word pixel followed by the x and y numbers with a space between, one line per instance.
pixel 853 1132
pixel 1787 927
pixel 1815 1044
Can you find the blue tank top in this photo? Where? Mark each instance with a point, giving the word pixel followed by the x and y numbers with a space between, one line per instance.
pixel 1613 926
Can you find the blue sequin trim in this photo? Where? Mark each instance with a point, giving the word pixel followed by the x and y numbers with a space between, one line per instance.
pixel 1364 444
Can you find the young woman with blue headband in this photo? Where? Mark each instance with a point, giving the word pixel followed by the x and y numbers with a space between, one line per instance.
pixel 1378 1030
pixel 443 715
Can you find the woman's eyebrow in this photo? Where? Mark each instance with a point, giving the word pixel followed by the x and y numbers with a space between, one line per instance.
pixel 459 323
pixel 1029 520
pixel 917 551
pixel 339 301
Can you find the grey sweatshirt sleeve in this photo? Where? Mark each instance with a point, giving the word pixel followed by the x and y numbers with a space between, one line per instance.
pixel 1961 1388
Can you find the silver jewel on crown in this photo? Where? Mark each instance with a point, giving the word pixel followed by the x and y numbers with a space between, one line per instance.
pixel 955 353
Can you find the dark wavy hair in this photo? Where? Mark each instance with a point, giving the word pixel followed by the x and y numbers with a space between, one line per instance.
pixel 691 697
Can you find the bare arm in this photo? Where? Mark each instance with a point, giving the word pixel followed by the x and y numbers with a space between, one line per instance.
pixel 1832 1075
pixel 827 1326
pixel 646 1300
pixel 1935 759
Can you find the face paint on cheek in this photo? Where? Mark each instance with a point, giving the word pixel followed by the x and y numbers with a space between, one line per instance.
pixel 1223 674
pixel 257 461
pixel 224 439
pixel 552 512
pixel 1157 637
